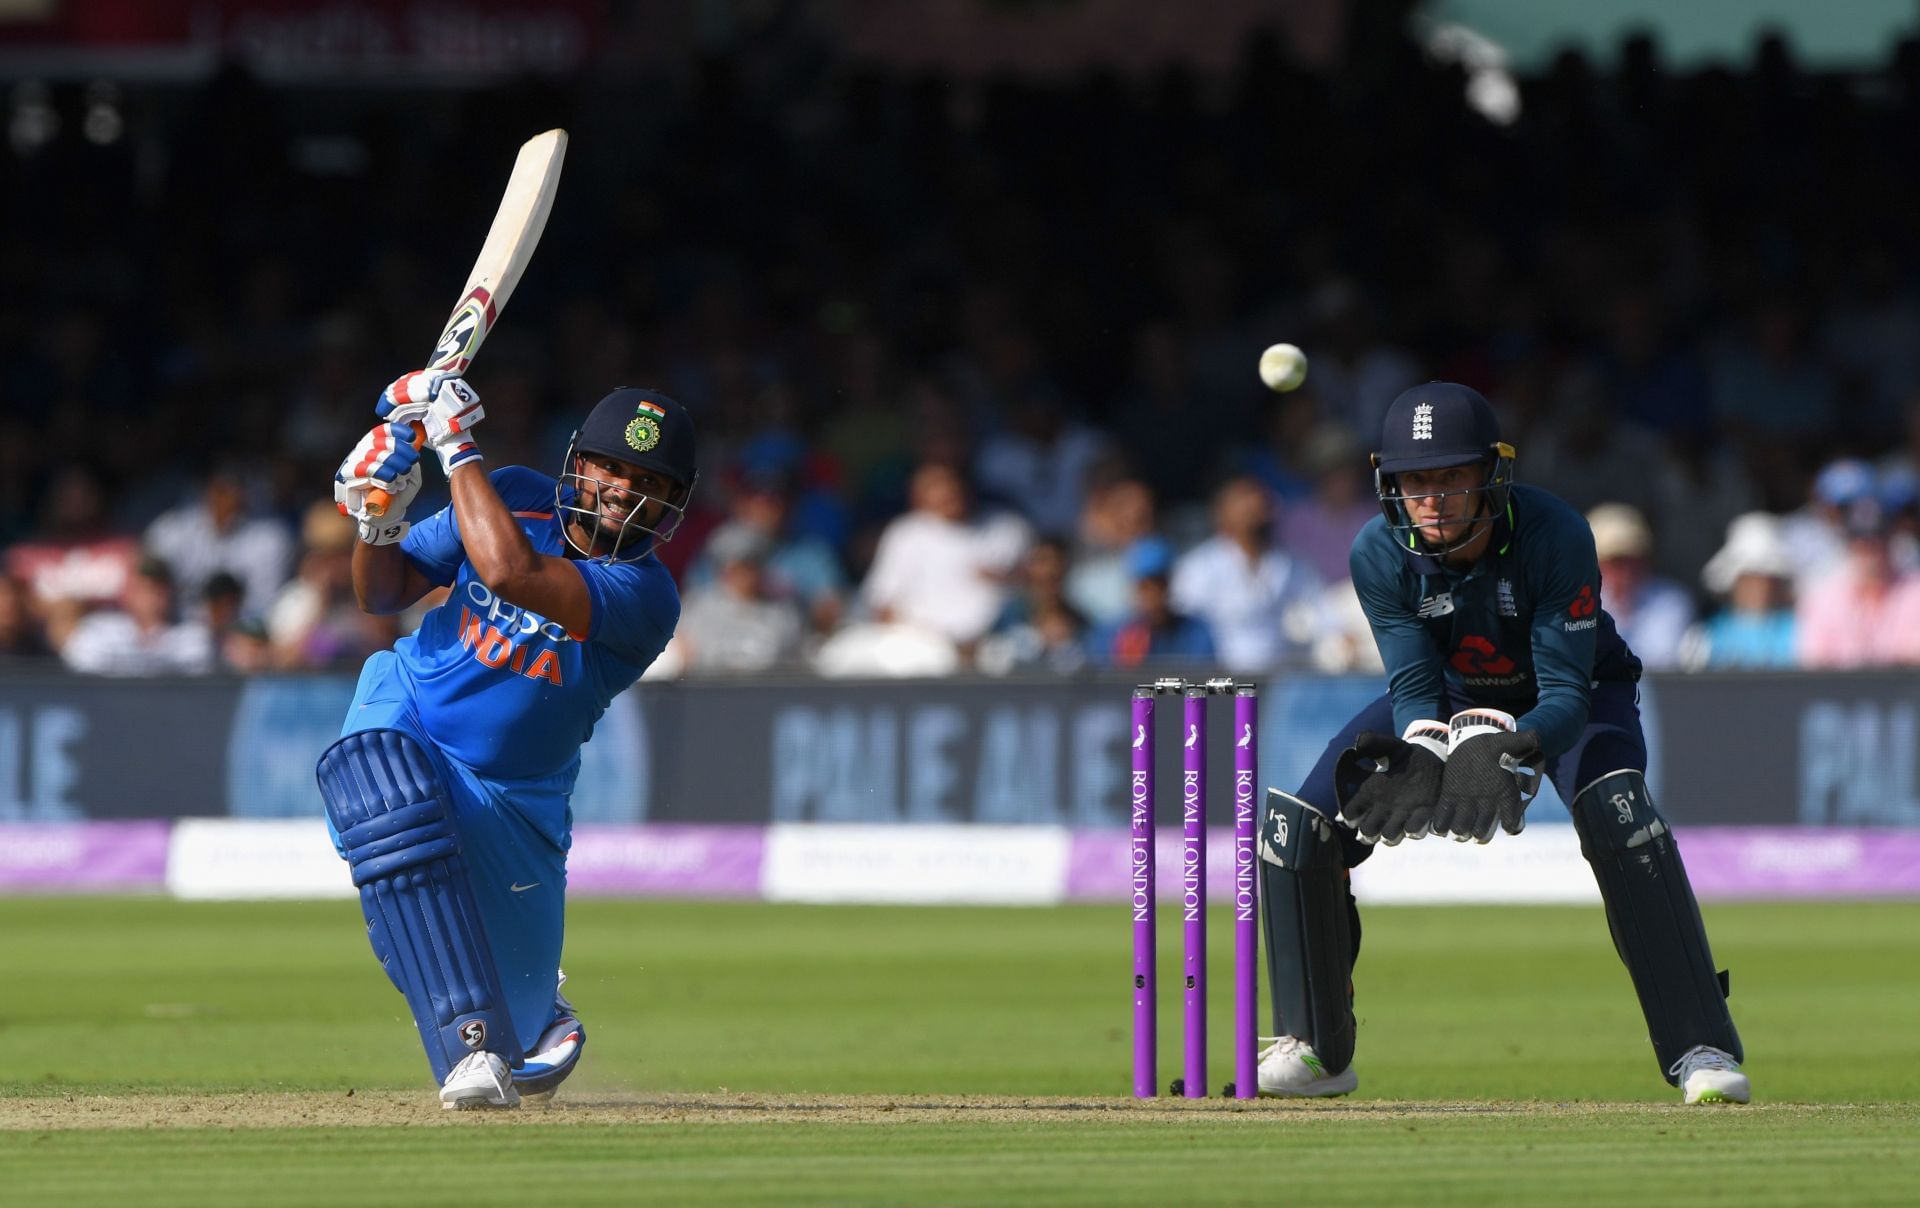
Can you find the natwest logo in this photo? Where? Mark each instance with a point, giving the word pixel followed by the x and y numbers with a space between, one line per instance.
pixel 1478 656
pixel 1585 604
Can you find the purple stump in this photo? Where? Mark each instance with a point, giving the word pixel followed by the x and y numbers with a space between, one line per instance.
pixel 1140 899
pixel 1193 884
pixel 1246 909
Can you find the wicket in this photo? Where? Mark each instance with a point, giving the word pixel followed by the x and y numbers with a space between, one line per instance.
pixel 1193 885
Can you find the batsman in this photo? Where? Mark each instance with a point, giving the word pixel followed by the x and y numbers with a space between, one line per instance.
pixel 1484 597
pixel 447 793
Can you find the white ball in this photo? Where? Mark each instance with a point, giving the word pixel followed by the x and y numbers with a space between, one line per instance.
pixel 1283 367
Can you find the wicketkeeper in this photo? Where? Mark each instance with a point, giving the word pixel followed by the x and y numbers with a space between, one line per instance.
pixel 1485 601
pixel 448 790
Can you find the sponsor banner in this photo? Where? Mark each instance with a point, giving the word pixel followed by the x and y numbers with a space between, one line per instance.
pixel 666 861
pixel 922 865
pixel 1750 750
pixel 1100 865
pixel 90 857
pixel 1794 862
pixel 214 858
pixel 242 859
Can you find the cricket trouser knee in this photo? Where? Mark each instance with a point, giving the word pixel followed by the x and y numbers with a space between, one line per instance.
pixel 1311 926
pixel 1653 916
pixel 390 807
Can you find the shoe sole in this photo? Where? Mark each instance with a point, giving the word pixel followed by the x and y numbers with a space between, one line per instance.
pixel 1344 1083
pixel 472 1103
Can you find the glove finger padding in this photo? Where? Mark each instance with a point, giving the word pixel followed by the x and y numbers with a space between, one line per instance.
pixel 1490 779
pixel 1391 778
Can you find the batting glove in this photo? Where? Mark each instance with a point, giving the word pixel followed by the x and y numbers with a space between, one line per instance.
pixel 384 458
pixel 445 407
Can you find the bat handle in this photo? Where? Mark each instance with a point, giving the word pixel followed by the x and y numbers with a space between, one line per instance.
pixel 379 499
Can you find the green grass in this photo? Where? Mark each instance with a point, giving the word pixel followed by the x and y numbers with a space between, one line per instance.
pixel 1502 1059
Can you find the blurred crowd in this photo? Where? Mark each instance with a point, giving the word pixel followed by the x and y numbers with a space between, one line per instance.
pixel 973 362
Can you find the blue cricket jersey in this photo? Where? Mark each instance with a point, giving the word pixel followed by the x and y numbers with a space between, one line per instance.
pixel 503 690
pixel 1521 629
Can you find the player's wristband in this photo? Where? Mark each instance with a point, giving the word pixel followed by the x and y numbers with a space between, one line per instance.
pixel 459 454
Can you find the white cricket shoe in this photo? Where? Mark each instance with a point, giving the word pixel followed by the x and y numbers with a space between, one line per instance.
pixel 1708 1075
pixel 1290 1069
pixel 481 1080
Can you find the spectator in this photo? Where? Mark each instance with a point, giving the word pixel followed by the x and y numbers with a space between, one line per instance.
pixel 1038 629
pixel 1753 573
pixel 1816 534
pixel 941 567
pixel 799 566
pixel 21 636
pixel 245 648
pixel 1152 632
pixel 1243 587
pixel 215 533
pixel 142 636
pixel 1039 463
pixel 1653 614
pixel 1116 519
pixel 315 623
pixel 734 624
pixel 73 560
pixel 1320 528
pixel 1845 620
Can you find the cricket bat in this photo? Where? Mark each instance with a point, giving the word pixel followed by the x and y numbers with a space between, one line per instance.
pixel 503 257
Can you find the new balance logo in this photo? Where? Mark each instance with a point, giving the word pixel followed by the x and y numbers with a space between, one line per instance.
pixel 1436 606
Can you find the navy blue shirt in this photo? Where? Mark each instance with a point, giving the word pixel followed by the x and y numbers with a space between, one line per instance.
pixel 1521 629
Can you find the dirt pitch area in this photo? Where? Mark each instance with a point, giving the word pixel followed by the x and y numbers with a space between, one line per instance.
pixel 385 1109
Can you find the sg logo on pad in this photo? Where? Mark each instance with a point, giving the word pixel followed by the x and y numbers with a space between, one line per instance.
pixel 473 1033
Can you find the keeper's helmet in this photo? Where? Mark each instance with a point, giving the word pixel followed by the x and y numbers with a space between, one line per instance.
pixel 644 428
pixel 1432 427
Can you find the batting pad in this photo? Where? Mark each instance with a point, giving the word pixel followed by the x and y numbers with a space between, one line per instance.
pixel 1653 916
pixel 1310 940
pixel 395 821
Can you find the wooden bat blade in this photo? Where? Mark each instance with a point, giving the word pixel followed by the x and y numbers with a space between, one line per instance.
pixel 509 245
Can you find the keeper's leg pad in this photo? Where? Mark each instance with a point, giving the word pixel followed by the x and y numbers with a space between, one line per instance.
pixel 395 821
pixel 1653 916
pixel 1311 937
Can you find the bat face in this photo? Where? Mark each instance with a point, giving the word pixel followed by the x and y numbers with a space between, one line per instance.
pixel 503 257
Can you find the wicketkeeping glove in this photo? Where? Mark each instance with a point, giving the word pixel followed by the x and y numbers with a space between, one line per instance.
pixel 1399 781
pixel 1492 775
pixel 384 458
pixel 445 407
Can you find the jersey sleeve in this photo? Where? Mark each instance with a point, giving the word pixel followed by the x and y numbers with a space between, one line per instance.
pixel 635 608
pixel 1413 660
pixel 1566 624
pixel 433 547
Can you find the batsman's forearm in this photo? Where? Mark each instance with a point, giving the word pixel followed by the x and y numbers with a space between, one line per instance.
pixel 496 546
pixel 380 578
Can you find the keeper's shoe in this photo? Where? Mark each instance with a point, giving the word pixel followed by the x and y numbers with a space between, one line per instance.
pixel 1289 1069
pixel 1707 1075
pixel 481 1080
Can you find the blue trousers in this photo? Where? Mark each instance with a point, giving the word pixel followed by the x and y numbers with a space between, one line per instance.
pixel 514 835
pixel 1612 740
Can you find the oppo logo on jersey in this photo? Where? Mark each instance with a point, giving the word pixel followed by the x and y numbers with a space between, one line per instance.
pixel 510 643
pixel 514 620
